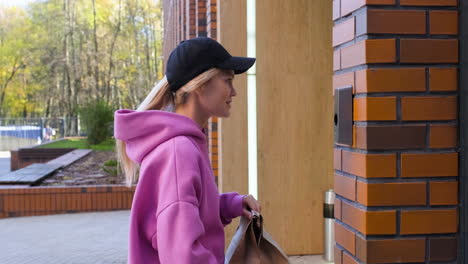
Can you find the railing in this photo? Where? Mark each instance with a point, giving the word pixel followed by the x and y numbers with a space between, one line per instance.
pixel 21 132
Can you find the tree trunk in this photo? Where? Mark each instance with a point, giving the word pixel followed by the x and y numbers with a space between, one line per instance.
pixel 111 63
pixel 96 62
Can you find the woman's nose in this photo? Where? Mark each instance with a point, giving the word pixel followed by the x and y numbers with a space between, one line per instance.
pixel 233 92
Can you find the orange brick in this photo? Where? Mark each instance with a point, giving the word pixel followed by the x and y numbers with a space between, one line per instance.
pixel 443 79
pixel 347 259
pixel 443 136
pixel 369 222
pixel 47 203
pixel 338 255
pixel 429 165
pixel 27 203
pixel 38 202
pixel 429 222
pixel 383 194
pixel 369 165
pixel 444 193
pixel 104 201
pixel 391 80
pixel 337 159
pixel 81 202
pixel 59 202
pixel 122 200
pixel 115 200
pixel 443 22
pixel 345 238
pixel 337 208
pixel 394 22
pixel 91 189
pixel 380 50
pixel 429 108
pixel 129 200
pixel 8 203
pixel 343 80
pixel 428 2
pixel 348 6
pixel 105 205
pixel 390 250
pixel 374 108
pixel 345 186
pixel 428 50
pixel 369 51
pixel 343 32
pixel 336 60
pixel 390 137
pixel 93 201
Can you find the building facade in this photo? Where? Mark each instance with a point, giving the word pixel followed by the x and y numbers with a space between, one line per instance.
pixel 393 72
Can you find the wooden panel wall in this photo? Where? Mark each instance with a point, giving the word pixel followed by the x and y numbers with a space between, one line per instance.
pixel 233 130
pixel 295 119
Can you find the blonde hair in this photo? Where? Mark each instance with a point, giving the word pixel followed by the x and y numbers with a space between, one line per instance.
pixel 160 98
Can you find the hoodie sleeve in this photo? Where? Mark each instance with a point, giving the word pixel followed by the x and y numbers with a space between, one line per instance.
pixel 179 227
pixel 230 206
pixel 178 223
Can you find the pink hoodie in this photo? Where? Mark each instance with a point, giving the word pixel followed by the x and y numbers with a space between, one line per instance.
pixel 177 214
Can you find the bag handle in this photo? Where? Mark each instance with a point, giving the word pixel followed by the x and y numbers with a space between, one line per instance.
pixel 257 225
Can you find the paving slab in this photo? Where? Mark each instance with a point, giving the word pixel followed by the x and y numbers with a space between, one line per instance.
pixel 81 238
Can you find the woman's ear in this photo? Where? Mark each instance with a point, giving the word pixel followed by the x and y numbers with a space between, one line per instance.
pixel 200 90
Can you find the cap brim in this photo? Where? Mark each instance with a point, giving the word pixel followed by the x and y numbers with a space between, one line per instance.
pixel 237 64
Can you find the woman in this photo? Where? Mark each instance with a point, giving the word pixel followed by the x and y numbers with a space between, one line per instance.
pixel 177 214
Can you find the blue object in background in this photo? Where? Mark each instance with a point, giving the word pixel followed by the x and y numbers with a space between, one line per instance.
pixel 32 132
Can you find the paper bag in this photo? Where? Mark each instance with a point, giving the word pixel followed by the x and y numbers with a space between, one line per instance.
pixel 251 244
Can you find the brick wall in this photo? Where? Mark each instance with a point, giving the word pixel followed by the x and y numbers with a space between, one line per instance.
pixel 30 201
pixel 26 156
pixel 194 18
pixel 190 14
pixel 397 184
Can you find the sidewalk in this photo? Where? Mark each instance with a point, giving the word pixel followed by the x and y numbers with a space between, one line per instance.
pixel 83 238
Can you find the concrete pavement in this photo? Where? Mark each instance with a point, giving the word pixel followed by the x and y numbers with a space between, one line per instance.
pixel 82 238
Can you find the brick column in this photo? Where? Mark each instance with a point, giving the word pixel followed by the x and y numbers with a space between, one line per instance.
pixel 211 18
pixel 190 14
pixel 200 13
pixel 397 184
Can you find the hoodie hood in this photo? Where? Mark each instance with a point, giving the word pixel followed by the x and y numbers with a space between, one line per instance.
pixel 143 131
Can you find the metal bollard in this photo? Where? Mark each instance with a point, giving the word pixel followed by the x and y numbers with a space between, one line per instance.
pixel 329 221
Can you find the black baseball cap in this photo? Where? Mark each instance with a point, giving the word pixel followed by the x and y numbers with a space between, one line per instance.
pixel 194 56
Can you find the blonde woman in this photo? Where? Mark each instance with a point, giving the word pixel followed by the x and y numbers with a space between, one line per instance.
pixel 178 215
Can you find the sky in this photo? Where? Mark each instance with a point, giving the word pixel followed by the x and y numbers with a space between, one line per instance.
pixel 19 3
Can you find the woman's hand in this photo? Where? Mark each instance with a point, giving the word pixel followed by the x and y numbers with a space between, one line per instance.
pixel 249 203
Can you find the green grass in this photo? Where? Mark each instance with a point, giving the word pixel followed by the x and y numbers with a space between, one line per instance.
pixel 81 144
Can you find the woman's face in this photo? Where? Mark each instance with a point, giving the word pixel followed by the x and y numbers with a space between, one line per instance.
pixel 216 95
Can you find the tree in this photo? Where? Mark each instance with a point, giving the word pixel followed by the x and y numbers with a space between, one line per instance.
pixel 56 55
